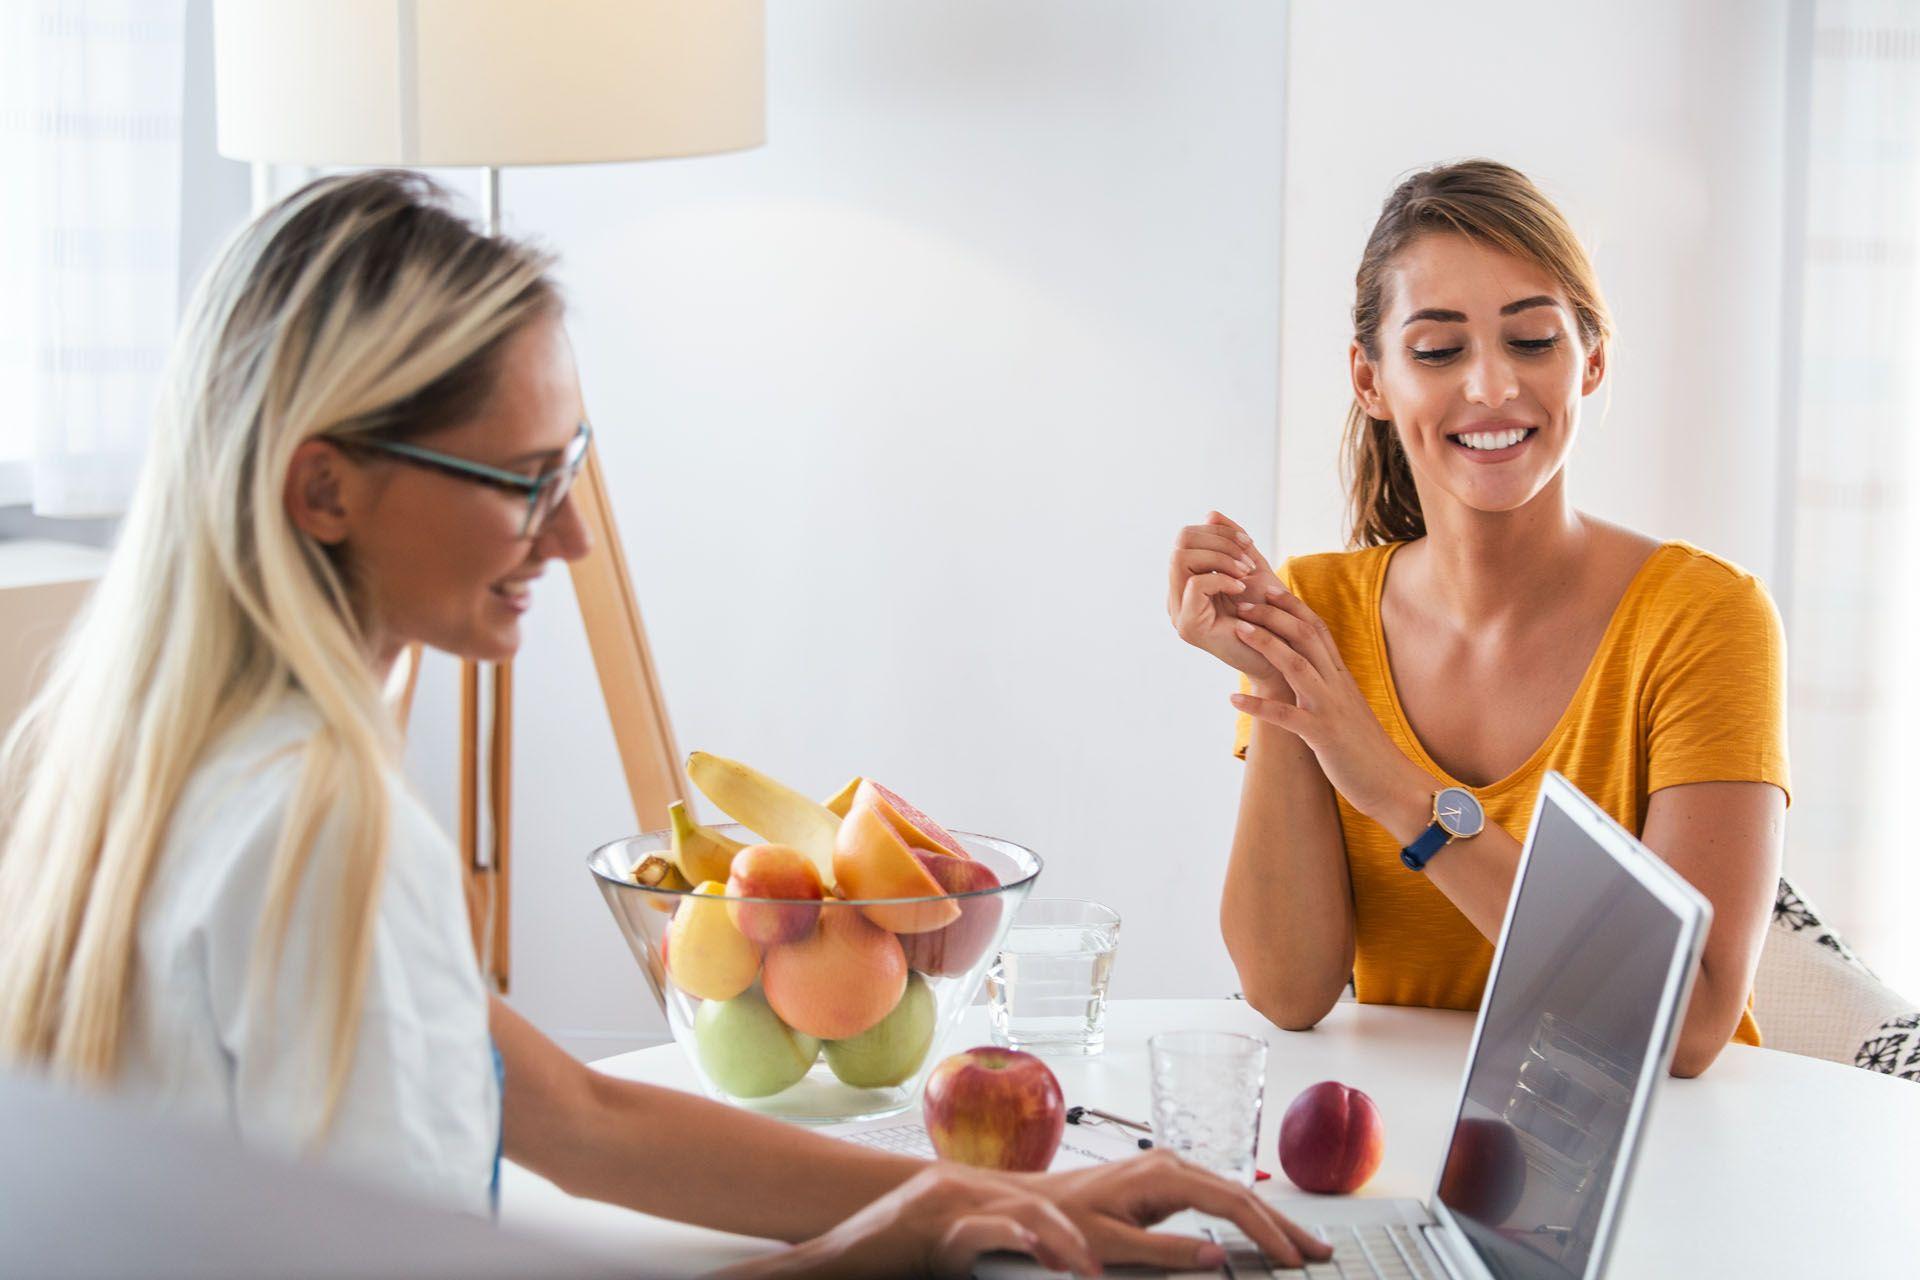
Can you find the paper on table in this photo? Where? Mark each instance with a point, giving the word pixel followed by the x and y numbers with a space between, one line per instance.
pixel 1081 1147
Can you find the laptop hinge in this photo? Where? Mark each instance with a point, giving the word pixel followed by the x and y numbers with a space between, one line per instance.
pixel 1458 1261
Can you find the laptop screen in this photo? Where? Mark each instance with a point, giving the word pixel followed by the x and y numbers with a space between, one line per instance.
pixel 1567 1028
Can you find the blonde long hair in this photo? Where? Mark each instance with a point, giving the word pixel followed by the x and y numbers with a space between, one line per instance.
pixel 358 305
pixel 1484 201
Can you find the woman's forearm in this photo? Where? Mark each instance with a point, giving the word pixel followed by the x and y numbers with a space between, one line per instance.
pixel 672 1154
pixel 1287 909
pixel 1476 874
pixel 678 1156
pixel 1477 877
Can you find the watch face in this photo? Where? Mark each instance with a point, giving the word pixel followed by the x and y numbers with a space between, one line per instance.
pixel 1459 812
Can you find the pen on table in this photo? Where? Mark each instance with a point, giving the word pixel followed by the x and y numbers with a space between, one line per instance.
pixel 1076 1114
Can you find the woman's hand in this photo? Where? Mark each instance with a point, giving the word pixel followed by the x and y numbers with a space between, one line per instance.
pixel 1327 710
pixel 1214 566
pixel 946 1216
pixel 1114 1204
pixel 935 1224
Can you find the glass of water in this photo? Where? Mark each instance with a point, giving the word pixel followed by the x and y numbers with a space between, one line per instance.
pixel 1208 1088
pixel 1047 989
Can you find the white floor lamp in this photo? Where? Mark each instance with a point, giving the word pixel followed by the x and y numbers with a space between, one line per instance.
pixel 493 83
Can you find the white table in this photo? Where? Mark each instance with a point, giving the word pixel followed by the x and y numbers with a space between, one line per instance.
pixel 1769 1165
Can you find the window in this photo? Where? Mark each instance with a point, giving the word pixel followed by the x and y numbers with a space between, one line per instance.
pixel 1855 507
pixel 90 130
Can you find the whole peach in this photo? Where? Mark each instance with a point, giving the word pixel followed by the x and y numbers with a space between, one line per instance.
pixel 1331 1139
pixel 774 871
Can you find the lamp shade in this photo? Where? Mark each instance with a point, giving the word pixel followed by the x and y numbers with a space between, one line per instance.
pixel 487 82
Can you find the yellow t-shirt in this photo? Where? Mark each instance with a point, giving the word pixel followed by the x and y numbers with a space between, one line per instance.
pixel 1688 685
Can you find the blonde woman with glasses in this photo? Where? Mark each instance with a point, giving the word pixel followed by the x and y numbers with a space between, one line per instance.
pixel 219 893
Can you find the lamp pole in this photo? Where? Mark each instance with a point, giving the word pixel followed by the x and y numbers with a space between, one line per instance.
pixel 484 84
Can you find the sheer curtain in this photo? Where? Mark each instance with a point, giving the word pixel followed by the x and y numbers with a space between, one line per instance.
pixel 1854 510
pixel 90 162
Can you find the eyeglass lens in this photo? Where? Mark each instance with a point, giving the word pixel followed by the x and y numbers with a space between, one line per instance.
pixel 551 496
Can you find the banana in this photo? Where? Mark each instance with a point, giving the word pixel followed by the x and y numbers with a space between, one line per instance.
pixel 776 811
pixel 699 853
pixel 842 800
pixel 656 872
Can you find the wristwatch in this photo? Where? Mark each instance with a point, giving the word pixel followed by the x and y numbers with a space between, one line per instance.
pixel 1457 815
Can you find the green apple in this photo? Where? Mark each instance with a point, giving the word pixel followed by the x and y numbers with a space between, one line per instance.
pixel 893 1048
pixel 747 1050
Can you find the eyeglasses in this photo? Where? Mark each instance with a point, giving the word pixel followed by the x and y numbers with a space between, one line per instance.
pixel 544 492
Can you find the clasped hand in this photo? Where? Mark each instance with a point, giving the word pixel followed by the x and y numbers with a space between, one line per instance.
pixel 1224 597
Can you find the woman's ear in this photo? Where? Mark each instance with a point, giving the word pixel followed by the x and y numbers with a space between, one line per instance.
pixel 1366 387
pixel 1595 370
pixel 316 493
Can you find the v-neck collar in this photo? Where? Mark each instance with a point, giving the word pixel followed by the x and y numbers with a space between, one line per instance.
pixel 1376 594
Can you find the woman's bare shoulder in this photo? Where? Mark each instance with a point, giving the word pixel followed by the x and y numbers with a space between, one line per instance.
pixel 1618 555
pixel 1620 545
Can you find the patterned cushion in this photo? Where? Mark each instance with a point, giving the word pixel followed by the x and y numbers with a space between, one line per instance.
pixel 1894 1048
pixel 1812 995
pixel 1793 913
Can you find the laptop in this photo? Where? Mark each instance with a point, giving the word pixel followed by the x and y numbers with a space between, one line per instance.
pixel 105 1188
pixel 1577 1027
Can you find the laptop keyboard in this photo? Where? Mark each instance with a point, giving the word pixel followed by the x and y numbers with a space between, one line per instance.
pixel 1379 1252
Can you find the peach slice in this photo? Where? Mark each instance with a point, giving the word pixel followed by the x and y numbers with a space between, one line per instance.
pixel 870 860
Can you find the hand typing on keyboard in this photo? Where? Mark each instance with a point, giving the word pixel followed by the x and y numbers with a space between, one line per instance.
pixel 1372 1252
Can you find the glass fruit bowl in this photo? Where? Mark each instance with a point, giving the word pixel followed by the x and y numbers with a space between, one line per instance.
pixel 843 1009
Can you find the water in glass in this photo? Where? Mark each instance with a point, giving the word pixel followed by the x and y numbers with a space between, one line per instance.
pixel 1047 989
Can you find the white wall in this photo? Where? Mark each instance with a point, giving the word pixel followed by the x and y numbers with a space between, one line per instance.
pixel 1659 129
pixel 901 413
pixel 902 410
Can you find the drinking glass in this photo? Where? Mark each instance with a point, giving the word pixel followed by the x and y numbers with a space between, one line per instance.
pixel 1208 1087
pixel 1047 989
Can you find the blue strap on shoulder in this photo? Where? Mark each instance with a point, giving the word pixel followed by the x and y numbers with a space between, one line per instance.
pixel 500 1127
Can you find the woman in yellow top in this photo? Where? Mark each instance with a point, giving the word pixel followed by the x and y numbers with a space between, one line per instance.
pixel 1481 632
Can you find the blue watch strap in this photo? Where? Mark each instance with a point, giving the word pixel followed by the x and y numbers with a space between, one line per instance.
pixel 1414 857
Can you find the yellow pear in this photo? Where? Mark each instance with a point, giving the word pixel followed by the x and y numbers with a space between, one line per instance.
pixel 706 956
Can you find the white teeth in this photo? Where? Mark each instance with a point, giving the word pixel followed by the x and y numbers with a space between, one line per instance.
pixel 1492 439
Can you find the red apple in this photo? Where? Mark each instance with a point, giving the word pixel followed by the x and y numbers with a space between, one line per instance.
pixel 774 871
pixel 1486 1170
pixel 952 950
pixel 995 1109
pixel 1331 1139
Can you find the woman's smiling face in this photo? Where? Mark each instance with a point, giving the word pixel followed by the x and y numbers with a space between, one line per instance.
pixel 1481 368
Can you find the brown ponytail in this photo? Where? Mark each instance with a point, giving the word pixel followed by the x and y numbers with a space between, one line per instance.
pixel 1484 201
